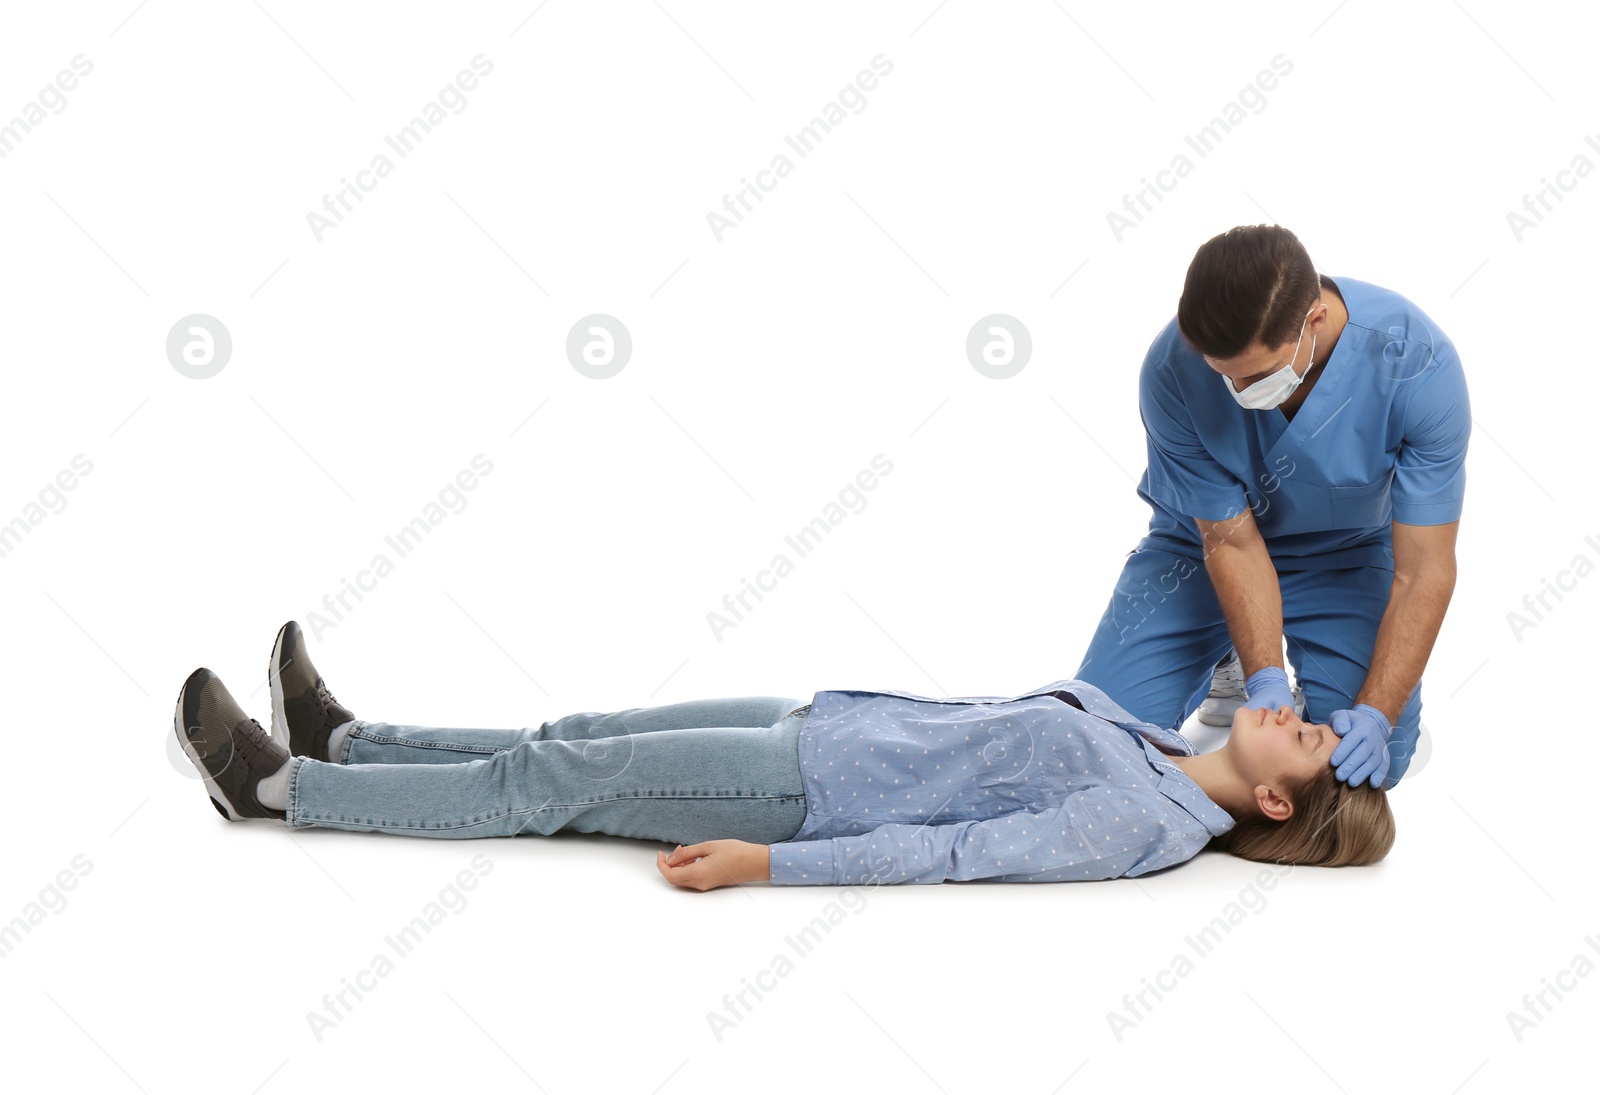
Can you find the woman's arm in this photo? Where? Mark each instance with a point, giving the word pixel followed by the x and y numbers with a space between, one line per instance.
pixel 1099 832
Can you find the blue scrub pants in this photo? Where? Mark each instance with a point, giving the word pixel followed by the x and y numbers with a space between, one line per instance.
pixel 1164 632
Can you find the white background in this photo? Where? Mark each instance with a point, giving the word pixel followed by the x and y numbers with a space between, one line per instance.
pixel 768 369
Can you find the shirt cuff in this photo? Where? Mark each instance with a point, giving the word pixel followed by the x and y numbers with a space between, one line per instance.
pixel 1211 502
pixel 1425 513
pixel 801 863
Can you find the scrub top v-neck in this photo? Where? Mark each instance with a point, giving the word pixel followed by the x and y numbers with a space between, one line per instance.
pixel 1382 436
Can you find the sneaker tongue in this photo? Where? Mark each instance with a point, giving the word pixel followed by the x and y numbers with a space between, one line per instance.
pixel 248 731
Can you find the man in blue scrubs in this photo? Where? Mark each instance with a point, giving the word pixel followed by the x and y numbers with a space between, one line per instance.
pixel 1306 439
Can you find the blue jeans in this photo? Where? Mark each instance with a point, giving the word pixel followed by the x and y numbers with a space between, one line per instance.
pixel 680 773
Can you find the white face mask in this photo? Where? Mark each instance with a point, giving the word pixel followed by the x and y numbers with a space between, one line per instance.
pixel 1274 388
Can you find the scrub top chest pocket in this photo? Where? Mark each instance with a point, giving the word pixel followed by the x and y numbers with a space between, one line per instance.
pixel 1298 506
pixel 1362 506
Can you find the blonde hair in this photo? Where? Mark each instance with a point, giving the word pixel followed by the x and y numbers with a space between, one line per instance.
pixel 1333 825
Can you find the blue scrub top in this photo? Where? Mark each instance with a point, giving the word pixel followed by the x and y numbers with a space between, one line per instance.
pixel 1382 437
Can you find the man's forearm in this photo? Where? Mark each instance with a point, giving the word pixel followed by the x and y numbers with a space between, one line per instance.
pixel 1405 639
pixel 1246 584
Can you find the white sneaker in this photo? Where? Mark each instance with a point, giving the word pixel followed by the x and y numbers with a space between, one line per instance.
pixel 1227 695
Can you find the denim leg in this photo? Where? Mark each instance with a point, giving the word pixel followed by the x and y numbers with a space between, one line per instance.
pixel 680 785
pixel 395 743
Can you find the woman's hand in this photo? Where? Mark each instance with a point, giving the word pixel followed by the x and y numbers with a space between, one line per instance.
pixel 715 863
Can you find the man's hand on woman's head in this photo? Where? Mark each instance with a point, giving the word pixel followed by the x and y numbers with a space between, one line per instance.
pixel 1363 752
pixel 714 863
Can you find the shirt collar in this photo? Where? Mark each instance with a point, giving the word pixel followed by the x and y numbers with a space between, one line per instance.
pixel 1186 792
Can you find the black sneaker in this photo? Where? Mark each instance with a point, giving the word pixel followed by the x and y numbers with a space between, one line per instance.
pixel 231 749
pixel 304 712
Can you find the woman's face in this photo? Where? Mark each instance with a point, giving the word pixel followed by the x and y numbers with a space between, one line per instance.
pixel 1276 747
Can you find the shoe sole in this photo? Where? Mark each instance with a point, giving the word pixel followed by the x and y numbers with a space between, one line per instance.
pixel 1215 712
pixel 280 718
pixel 218 799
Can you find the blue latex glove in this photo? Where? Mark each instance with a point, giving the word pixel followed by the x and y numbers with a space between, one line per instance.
pixel 1363 749
pixel 1268 688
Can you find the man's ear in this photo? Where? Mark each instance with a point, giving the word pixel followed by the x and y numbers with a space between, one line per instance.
pixel 1272 804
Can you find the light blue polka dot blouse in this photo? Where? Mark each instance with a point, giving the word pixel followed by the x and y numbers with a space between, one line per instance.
pixel 1056 785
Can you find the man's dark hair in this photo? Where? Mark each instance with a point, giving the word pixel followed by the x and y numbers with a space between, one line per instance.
pixel 1253 283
